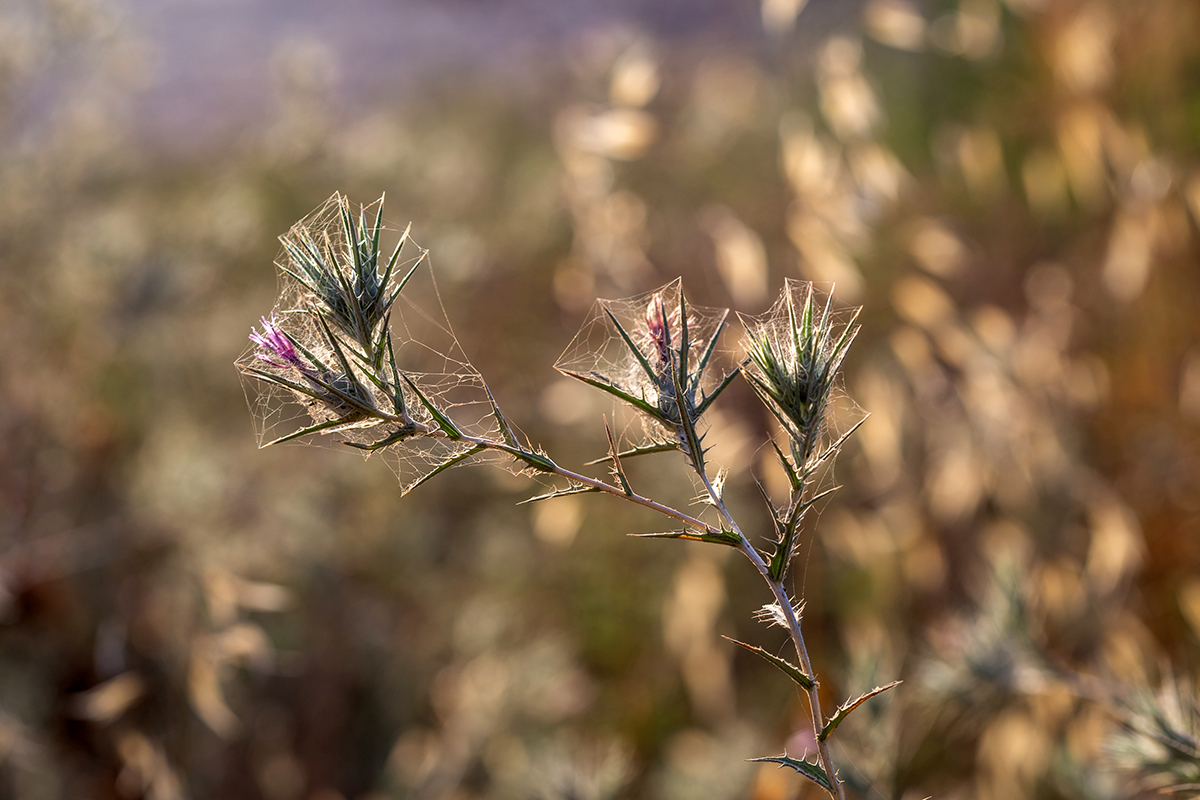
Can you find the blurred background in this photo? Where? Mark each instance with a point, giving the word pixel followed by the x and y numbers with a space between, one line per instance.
pixel 1010 189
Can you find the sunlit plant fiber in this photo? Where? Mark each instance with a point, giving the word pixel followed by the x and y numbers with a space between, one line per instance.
pixel 1159 735
pixel 330 346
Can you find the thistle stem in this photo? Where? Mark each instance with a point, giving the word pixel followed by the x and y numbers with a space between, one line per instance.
pixel 793 626
pixel 777 587
pixel 748 550
pixel 686 519
pixel 575 477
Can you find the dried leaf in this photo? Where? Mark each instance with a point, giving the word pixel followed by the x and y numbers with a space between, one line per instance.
pixel 109 700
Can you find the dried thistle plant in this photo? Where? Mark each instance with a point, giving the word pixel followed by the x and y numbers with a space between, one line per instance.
pixel 1158 741
pixel 329 346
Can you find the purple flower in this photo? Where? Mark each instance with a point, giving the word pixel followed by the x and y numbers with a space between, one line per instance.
pixel 658 324
pixel 274 344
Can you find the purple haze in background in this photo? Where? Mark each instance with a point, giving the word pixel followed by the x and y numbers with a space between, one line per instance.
pixel 213 74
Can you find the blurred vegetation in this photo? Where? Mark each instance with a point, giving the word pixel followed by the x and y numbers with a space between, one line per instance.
pixel 1012 190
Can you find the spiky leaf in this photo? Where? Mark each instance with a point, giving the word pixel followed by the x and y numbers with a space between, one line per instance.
pixel 445 465
pixel 604 385
pixel 712 536
pixel 811 771
pixel 633 348
pixel 782 664
pixel 448 427
pixel 573 489
pixel 654 447
pixel 845 708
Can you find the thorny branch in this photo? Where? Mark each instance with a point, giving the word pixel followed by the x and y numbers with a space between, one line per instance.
pixel 342 366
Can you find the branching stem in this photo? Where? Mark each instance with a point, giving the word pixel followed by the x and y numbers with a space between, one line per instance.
pixel 777 587
pixel 792 369
pixel 574 477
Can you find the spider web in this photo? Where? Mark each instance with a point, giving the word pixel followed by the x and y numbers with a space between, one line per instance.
pixel 276 410
pixel 600 352
pixel 430 354
pixel 842 412
pixel 426 349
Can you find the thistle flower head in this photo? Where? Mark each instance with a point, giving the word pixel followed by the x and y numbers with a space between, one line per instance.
pixel 659 327
pixel 335 259
pixel 795 353
pixel 337 392
pixel 274 346
pixel 655 353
